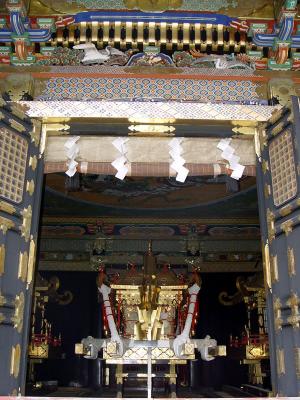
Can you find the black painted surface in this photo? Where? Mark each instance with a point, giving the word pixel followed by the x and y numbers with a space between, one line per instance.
pixel 14 243
pixel 287 338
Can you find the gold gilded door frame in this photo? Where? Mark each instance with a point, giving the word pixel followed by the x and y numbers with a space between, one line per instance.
pixel 21 170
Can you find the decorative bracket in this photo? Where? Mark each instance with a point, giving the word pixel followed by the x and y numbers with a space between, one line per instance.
pixel 293 303
pixel 277 313
pixel 17 319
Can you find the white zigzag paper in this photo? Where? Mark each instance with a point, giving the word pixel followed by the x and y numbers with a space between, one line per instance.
pixel 233 159
pixel 178 160
pixel 72 151
pixel 120 163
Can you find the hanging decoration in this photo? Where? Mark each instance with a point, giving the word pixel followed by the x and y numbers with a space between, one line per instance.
pixel 233 159
pixel 178 161
pixel 72 151
pixel 120 163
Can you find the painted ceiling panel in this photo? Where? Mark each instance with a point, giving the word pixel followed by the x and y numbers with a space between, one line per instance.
pixel 199 197
pixel 236 8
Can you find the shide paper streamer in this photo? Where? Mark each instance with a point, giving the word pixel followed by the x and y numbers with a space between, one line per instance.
pixel 233 159
pixel 120 163
pixel 178 161
pixel 72 151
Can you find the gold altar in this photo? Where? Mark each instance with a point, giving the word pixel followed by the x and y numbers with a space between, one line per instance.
pixel 149 315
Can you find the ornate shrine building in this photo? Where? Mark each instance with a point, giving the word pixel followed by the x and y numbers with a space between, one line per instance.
pixel 149 198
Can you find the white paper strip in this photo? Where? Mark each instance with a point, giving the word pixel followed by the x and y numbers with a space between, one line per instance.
pixel 182 174
pixel 237 173
pixel 224 143
pixel 178 160
pixel 120 163
pixel 233 159
pixel 72 151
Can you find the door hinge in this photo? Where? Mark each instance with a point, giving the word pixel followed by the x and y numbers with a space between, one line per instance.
pixel 31 262
pixel 2 259
pixel 23 263
pixel 15 360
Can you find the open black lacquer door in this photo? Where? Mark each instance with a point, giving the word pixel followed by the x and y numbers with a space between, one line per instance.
pixel 278 183
pixel 21 175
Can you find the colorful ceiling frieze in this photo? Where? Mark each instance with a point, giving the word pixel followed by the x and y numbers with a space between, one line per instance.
pixel 123 70
pixel 99 28
pixel 145 231
pixel 148 88
pixel 281 40
pixel 255 8
pixel 161 5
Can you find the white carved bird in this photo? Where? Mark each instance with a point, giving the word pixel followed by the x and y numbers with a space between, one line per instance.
pixel 94 56
pixel 113 52
pixel 91 54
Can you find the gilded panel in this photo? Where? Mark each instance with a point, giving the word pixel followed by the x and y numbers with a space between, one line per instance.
pixel 280 362
pixel 2 259
pixel 13 156
pixel 283 171
pixel 282 89
pixel 15 360
pixel 291 261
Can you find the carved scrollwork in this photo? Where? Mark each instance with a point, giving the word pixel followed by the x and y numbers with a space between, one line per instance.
pixel 53 285
pixel 278 321
pixel 293 303
pixel 36 132
pixel 26 225
pixel 271 225
pixel 6 224
pixel 30 187
pixel 245 286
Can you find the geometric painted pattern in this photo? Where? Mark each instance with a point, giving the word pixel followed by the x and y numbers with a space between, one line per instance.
pixel 207 5
pixel 181 71
pixel 124 88
pixel 283 172
pixel 190 5
pixel 13 156
pixel 147 109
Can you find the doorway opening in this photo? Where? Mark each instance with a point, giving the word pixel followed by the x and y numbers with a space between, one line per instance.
pixel 207 226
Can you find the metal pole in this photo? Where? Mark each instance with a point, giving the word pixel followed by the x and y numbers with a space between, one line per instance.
pixel 149 373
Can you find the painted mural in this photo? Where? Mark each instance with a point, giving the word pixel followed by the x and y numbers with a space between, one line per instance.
pixel 146 193
pixel 147 231
pixel 238 8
